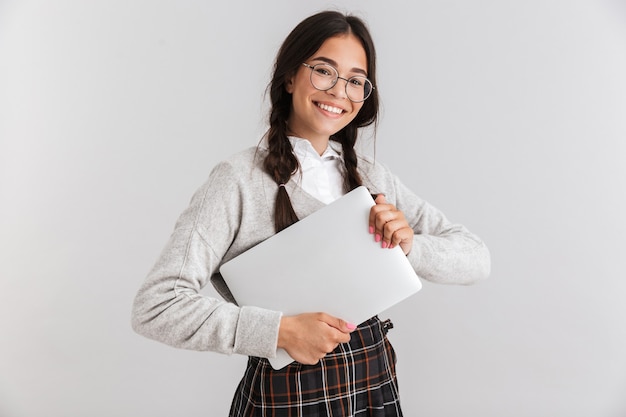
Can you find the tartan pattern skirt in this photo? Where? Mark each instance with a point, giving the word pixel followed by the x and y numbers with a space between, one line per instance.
pixel 357 379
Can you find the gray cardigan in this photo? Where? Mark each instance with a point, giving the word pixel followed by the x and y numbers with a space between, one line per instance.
pixel 233 211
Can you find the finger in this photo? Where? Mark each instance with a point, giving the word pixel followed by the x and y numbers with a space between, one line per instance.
pixel 380 222
pixel 328 347
pixel 391 228
pixel 337 323
pixel 376 208
pixel 338 331
pixel 340 337
pixel 400 235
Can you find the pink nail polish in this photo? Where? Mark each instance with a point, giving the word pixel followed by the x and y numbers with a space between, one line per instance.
pixel 351 326
pixel 377 237
pixel 371 230
pixel 384 244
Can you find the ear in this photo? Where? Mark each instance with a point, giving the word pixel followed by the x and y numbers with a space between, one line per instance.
pixel 289 81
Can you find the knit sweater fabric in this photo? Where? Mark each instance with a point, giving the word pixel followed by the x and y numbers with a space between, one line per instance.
pixel 232 212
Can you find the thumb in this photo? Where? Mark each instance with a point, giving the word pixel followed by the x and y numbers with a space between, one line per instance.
pixel 380 199
pixel 348 326
pixel 339 324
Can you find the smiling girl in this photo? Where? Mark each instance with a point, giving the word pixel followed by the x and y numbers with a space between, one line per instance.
pixel 322 91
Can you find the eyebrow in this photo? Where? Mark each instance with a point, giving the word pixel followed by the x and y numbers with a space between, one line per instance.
pixel 334 64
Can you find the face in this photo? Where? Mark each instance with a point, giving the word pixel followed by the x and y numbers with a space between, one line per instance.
pixel 316 115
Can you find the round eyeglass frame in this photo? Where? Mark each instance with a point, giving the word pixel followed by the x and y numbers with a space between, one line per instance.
pixel 337 78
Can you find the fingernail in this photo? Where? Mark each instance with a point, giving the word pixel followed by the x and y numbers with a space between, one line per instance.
pixel 371 230
pixel 384 244
pixel 350 326
pixel 377 237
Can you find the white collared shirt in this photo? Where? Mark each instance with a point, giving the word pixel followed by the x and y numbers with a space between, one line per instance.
pixel 319 175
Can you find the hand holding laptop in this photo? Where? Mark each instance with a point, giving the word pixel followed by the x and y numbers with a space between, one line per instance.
pixel 308 337
pixel 389 226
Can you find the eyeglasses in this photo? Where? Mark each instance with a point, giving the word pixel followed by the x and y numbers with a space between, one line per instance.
pixel 325 76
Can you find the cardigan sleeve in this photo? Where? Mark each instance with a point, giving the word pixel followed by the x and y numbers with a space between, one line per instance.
pixel 169 306
pixel 442 252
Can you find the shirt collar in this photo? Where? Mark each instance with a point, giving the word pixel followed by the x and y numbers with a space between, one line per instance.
pixel 303 149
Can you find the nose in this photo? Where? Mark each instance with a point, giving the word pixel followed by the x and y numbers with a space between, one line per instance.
pixel 339 89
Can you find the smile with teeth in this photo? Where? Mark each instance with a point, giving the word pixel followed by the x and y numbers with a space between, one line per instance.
pixel 331 109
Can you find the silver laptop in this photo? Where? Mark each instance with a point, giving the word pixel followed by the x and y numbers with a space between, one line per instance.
pixel 327 262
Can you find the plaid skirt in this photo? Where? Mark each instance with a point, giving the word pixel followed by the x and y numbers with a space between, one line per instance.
pixel 357 379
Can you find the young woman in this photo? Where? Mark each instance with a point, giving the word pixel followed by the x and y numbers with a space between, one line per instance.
pixel 322 91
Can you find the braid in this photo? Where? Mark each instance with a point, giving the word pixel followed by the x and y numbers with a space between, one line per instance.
pixel 281 164
pixel 347 137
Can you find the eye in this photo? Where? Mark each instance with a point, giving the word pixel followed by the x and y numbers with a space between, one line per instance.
pixel 324 71
pixel 356 82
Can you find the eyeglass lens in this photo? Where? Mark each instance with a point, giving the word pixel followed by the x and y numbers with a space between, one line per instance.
pixel 324 77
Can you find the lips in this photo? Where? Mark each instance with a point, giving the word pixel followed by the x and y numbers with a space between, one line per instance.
pixel 331 109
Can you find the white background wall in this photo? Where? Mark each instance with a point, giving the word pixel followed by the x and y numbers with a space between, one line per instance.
pixel 510 116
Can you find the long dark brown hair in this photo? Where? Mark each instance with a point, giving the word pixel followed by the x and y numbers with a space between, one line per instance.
pixel 303 41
